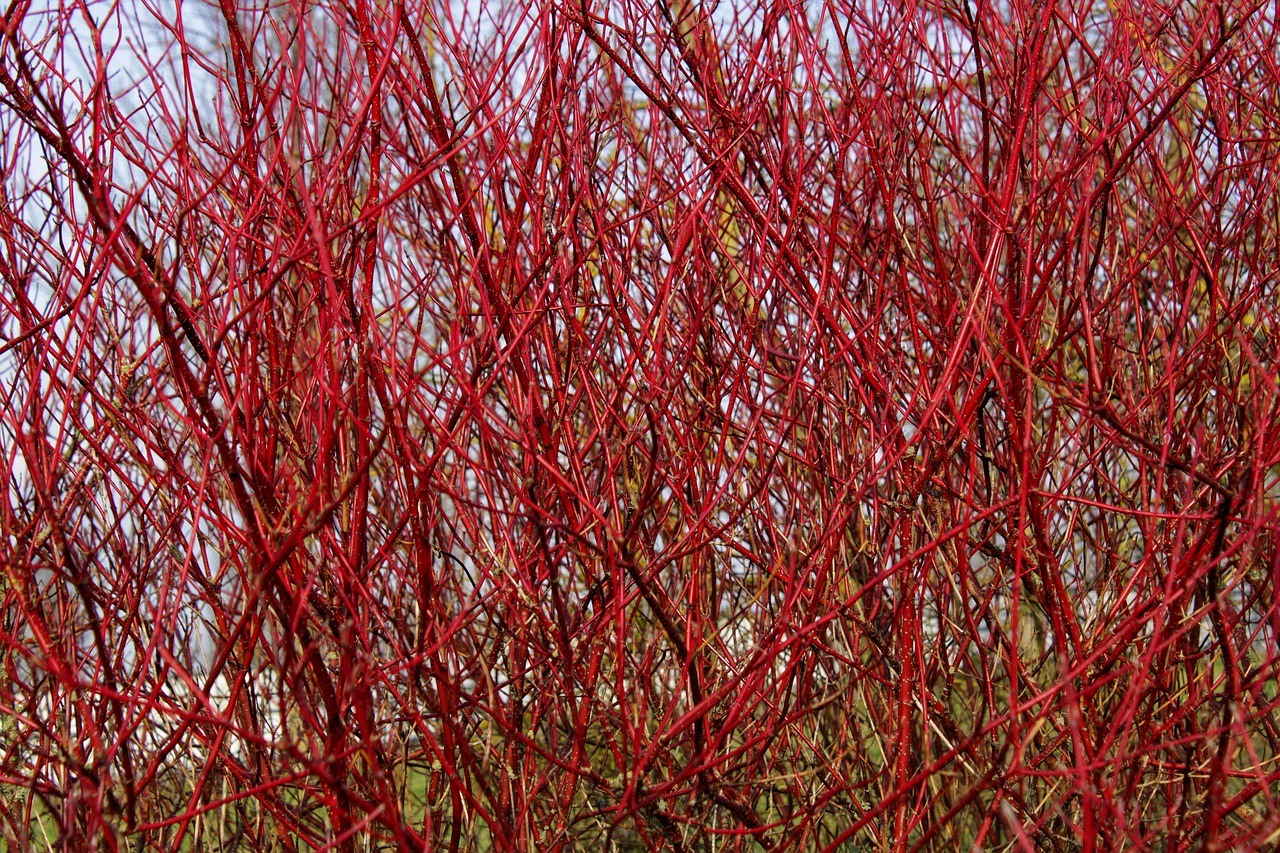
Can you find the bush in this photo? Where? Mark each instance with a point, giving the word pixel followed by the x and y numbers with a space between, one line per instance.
pixel 552 426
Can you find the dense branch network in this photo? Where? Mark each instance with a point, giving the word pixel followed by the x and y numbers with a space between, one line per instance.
pixel 684 426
